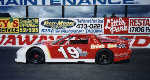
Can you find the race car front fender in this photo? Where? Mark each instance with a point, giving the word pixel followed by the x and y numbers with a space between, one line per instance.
pixel 21 53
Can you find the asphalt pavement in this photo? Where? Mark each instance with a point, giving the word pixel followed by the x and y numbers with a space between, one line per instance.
pixel 137 69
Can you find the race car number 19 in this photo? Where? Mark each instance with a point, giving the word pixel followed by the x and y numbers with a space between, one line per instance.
pixel 71 50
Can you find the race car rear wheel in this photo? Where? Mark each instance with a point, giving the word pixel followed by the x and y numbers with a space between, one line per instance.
pixel 104 58
pixel 35 56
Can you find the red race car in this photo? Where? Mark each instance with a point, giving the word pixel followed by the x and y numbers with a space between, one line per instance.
pixel 77 48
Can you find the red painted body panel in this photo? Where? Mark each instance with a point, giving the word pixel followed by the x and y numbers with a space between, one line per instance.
pixel 69 47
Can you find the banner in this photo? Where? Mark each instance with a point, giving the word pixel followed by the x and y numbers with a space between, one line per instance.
pixel 19 25
pixel 70 2
pixel 141 41
pixel 118 25
pixel 9 25
pixel 29 25
pixel 139 25
pixel 71 25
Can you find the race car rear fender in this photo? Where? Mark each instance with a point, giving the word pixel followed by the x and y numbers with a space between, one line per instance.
pixel 105 50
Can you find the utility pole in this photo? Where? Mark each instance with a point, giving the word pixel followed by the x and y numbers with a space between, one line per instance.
pixel 95 11
pixel 63 11
pixel 27 11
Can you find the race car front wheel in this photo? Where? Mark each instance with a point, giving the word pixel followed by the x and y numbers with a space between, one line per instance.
pixel 104 58
pixel 35 55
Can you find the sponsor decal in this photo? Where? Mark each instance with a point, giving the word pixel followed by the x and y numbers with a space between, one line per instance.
pixel 9 25
pixel 29 25
pixel 111 45
pixel 81 52
pixel 58 23
pixel 116 25
pixel 66 2
pixel 139 25
pixel 97 46
pixel 122 54
pixel 22 40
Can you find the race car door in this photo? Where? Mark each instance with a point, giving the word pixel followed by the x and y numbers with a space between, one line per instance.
pixel 75 48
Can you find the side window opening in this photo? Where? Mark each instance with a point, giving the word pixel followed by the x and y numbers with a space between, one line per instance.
pixel 74 40
pixel 66 41
pixel 79 40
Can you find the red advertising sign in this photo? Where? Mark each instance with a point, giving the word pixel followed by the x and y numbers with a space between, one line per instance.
pixel 127 25
pixel 139 26
pixel 116 25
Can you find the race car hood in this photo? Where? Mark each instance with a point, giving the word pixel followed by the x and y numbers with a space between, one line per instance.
pixel 111 39
pixel 120 39
pixel 107 40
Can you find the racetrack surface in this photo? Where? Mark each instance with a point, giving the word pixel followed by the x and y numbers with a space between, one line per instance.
pixel 137 69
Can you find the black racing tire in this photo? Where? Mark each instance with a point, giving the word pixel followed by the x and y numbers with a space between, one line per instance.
pixel 104 58
pixel 35 56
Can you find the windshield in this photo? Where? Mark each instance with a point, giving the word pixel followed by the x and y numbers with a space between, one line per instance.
pixel 54 42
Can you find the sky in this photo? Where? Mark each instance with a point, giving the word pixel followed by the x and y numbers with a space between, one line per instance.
pixel 76 11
